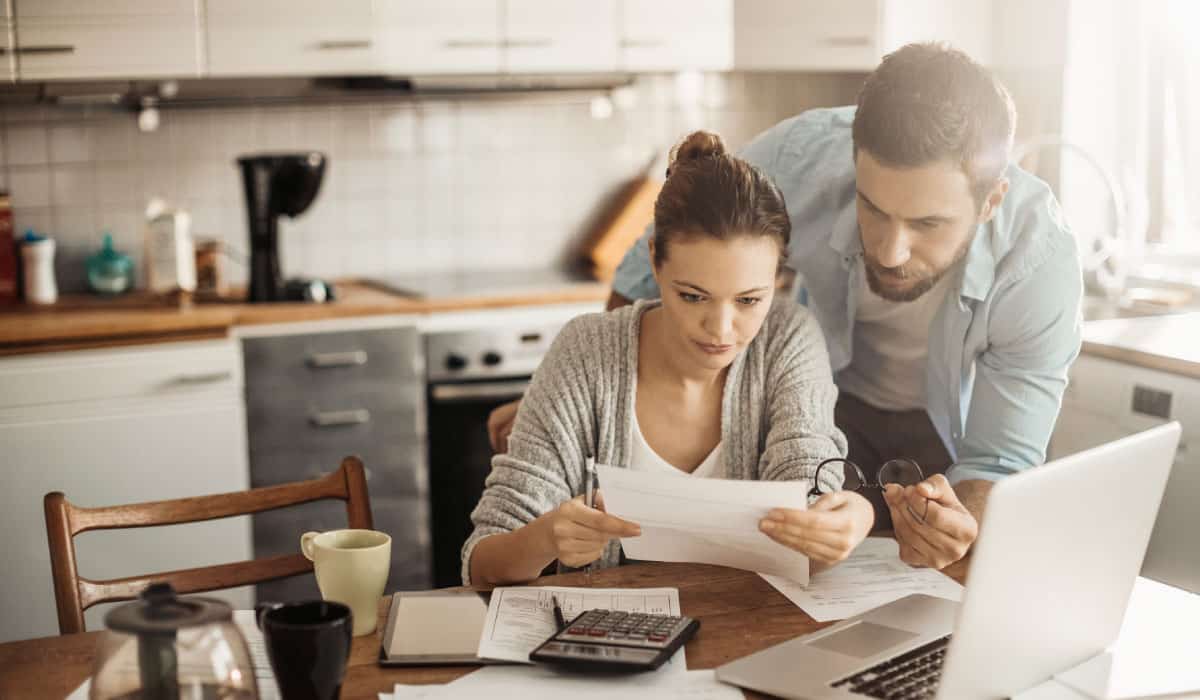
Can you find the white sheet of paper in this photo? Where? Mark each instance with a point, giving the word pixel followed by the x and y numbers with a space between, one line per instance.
pixel 547 683
pixel 708 521
pixel 871 576
pixel 521 618
pixel 267 688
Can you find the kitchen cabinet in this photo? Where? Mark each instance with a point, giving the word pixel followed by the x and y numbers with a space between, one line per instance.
pixel 66 39
pixel 565 36
pixel 852 35
pixel 109 427
pixel 312 399
pixel 8 59
pixel 449 36
pixel 290 37
pixel 668 35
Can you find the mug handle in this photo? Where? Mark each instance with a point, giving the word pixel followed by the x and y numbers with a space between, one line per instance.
pixel 306 545
pixel 262 609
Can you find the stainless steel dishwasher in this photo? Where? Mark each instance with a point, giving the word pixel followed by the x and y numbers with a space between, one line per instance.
pixel 312 399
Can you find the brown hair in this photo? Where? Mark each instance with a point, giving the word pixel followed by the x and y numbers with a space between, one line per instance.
pixel 712 193
pixel 927 102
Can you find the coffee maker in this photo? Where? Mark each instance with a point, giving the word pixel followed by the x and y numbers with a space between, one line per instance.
pixel 276 184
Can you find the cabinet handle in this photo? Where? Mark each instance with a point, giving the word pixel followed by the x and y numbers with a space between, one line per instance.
pixel 642 43
pixel 45 49
pixel 330 419
pixel 204 378
pixel 845 41
pixel 326 360
pixel 470 44
pixel 344 44
pixel 528 43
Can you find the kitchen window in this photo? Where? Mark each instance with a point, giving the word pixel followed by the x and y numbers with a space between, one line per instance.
pixel 1132 100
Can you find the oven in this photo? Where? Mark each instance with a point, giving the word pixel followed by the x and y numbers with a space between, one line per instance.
pixel 470 373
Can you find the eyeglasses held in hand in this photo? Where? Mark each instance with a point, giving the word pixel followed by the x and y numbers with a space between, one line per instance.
pixel 902 472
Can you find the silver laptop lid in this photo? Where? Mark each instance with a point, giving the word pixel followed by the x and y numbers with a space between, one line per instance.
pixel 1060 547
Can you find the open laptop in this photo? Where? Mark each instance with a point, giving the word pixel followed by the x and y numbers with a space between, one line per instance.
pixel 1058 553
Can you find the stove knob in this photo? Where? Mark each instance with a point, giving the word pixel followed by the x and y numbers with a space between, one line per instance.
pixel 455 362
pixel 492 358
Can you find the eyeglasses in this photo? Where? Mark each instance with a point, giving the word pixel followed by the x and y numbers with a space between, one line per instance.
pixel 902 472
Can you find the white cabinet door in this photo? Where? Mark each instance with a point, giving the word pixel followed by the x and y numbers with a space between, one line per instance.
pixel 151 438
pixel 806 35
pixel 655 37
pixel 415 37
pixel 290 37
pixel 560 36
pixel 964 24
pixel 66 39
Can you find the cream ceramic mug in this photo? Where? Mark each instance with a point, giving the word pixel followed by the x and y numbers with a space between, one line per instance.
pixel 352 568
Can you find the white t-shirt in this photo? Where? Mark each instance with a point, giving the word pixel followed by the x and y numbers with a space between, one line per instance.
pixel 644 458
pixel 891 342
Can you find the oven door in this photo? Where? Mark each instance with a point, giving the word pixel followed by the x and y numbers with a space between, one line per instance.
pixel 460 458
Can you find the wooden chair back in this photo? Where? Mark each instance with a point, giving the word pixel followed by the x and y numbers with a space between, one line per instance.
pixel 74 594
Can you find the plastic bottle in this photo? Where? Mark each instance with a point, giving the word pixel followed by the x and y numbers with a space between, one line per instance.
pixel 37 253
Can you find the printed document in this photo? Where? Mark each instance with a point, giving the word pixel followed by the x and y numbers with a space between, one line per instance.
pixel 871 576
pixel 520 618
pixel 708 521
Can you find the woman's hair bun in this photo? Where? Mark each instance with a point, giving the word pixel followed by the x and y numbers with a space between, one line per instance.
pixel 697 145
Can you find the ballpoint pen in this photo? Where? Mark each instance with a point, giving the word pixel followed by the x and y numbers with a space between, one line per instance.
pixel 558 614
pixel 589 496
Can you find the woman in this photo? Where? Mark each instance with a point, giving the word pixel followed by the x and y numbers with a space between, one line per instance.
pixel 716 379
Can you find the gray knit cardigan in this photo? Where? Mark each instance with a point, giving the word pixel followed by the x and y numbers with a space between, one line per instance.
pixel 776 415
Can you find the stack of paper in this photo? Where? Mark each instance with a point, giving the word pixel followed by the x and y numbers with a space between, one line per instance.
pixel 871 576
pixel 543 683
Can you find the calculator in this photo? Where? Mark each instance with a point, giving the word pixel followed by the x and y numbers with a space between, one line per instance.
pixel 616 640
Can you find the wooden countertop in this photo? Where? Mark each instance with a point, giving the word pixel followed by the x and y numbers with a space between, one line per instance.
pixel 82 321
pixel 739 612
pixel 1168 343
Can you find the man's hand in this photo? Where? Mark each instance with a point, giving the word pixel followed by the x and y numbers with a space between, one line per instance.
pixel 500 424
pixel 932 526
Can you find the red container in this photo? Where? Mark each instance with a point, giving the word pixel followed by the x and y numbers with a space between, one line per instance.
pixel 8 254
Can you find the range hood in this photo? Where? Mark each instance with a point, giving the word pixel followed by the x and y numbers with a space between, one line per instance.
pixel 225 92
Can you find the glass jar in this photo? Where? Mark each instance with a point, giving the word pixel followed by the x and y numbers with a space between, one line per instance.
pixel 162 647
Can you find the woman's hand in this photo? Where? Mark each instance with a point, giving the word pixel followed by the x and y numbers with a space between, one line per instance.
pixel 828 531
pixel 578 534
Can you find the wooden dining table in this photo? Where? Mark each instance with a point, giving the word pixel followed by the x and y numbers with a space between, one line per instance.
pixel 740 613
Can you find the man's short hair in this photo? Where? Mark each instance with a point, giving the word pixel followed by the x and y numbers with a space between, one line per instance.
pixel 927 102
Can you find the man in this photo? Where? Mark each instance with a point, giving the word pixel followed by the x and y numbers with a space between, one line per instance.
pixel 946 283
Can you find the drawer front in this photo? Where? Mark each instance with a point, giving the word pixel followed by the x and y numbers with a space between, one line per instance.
pixel 405 519
pixel 327 362
pixel 167 370
pixel 350 421
pixel 392 470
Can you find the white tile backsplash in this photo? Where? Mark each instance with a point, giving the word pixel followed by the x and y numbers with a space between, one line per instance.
pixel 29 186
pixel 411 186
pixel 26 145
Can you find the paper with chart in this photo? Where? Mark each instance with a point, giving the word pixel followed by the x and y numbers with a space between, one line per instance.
pixel 708 521
pixel 519 619
pixel 871 576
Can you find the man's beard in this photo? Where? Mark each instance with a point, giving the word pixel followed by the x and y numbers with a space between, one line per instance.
pixel 875 273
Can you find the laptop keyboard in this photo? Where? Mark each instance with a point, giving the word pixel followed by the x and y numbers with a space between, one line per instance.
pixel 910 676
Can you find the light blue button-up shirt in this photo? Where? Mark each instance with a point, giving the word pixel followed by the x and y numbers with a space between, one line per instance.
pixel 999 348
